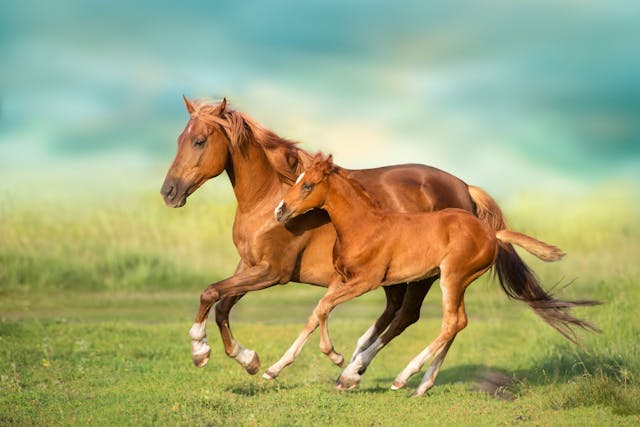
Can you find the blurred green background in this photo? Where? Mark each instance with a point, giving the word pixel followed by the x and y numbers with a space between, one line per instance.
pixel 511 96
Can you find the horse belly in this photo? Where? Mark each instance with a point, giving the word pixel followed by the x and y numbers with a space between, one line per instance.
pixel 411 262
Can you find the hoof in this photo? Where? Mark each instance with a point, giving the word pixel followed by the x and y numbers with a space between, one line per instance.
pixel 253 366
pixel 347 383
pixel 337 358
pixel 201 359
pixel 269 375
pixel 397 385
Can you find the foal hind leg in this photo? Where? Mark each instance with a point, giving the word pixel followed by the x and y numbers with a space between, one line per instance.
pixel 408 314
pixel 246 357
pixel 395 295
pixel 432 371
pixel 451 301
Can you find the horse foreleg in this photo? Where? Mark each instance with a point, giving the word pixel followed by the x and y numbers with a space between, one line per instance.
pixel 244 356
pixel 408 314
pixel 249 279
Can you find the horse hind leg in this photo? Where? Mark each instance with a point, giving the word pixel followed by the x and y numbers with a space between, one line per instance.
pixel 395 296
pixel 408 314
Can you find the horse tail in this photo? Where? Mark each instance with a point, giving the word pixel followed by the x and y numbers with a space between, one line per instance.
pixel 516 278
pixel 535 247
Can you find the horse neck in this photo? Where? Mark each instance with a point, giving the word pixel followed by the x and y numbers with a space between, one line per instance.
pixel 349 206
pixel 252 176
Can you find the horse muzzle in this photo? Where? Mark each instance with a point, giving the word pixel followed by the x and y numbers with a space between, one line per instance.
pixel 173 194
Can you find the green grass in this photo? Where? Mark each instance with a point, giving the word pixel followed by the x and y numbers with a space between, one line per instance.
pixel 96 303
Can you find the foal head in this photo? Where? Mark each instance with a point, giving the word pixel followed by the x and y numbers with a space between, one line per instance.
pixel 309 190
pixel 202 153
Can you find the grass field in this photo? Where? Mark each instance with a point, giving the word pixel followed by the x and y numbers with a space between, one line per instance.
pixel 96 301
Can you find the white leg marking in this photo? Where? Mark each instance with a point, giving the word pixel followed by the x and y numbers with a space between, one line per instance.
pixel 244 355
pixel 362 360
pixel 288 358
pixel 414 366
pixel 361 345
pixel 199 339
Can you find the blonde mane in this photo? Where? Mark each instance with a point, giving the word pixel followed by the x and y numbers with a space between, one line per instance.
pixel 284 156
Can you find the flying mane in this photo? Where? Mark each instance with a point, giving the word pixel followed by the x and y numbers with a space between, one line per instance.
pixel 287 159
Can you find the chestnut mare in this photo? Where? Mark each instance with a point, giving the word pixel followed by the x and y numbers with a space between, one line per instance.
pixel 261 167
pixel 376 247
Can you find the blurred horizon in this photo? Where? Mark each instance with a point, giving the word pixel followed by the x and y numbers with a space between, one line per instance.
pixel 512 97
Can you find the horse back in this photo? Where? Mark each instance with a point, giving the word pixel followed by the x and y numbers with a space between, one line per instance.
pixel 414 188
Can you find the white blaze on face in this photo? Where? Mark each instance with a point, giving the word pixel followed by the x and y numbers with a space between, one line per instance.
pixel 300 177
pixel 277 209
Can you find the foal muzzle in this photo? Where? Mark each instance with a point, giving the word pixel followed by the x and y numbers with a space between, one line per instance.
pixel 282 213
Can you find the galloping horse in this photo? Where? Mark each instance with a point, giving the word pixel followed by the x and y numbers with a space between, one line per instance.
pixel 376 247
pixel 261 167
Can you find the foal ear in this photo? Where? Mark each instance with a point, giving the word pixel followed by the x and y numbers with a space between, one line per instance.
pixel 189 105
pixel 223 105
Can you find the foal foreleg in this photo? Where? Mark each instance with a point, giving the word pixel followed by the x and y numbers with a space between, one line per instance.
pixel 337 293
pixel 292 353
pixel 252 278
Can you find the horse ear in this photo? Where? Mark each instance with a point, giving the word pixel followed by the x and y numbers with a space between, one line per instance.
pixel 223 105
pixel 329 164
pixel 189 105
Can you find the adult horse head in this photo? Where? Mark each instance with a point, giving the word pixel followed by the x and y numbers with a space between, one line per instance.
pixel 202 152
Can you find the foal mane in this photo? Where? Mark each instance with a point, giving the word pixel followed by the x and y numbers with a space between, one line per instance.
pixel 286 158
pixel 357 186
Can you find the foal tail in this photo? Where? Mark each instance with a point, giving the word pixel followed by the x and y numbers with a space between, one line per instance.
pixel 542 250
pixel 516 278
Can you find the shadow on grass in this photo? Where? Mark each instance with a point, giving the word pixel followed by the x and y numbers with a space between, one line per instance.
pixel 255 389
pixel 579 379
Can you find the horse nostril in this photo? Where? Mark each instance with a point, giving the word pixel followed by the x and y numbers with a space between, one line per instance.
pixel 169 191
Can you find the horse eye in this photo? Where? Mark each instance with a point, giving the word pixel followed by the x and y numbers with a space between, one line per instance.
pixel 307 187
pixel 199 142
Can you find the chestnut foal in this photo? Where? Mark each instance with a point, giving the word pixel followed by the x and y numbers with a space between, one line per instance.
pixel 378 248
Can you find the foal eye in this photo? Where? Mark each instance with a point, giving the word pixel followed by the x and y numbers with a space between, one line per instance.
pixel 307 187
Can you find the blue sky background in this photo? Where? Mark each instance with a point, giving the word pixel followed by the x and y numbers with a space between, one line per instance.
pixel 511 96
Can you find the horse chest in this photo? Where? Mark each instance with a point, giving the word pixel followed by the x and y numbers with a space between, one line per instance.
pixel 259 238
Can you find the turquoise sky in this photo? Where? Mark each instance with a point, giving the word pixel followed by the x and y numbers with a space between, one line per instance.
pixel 511 96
